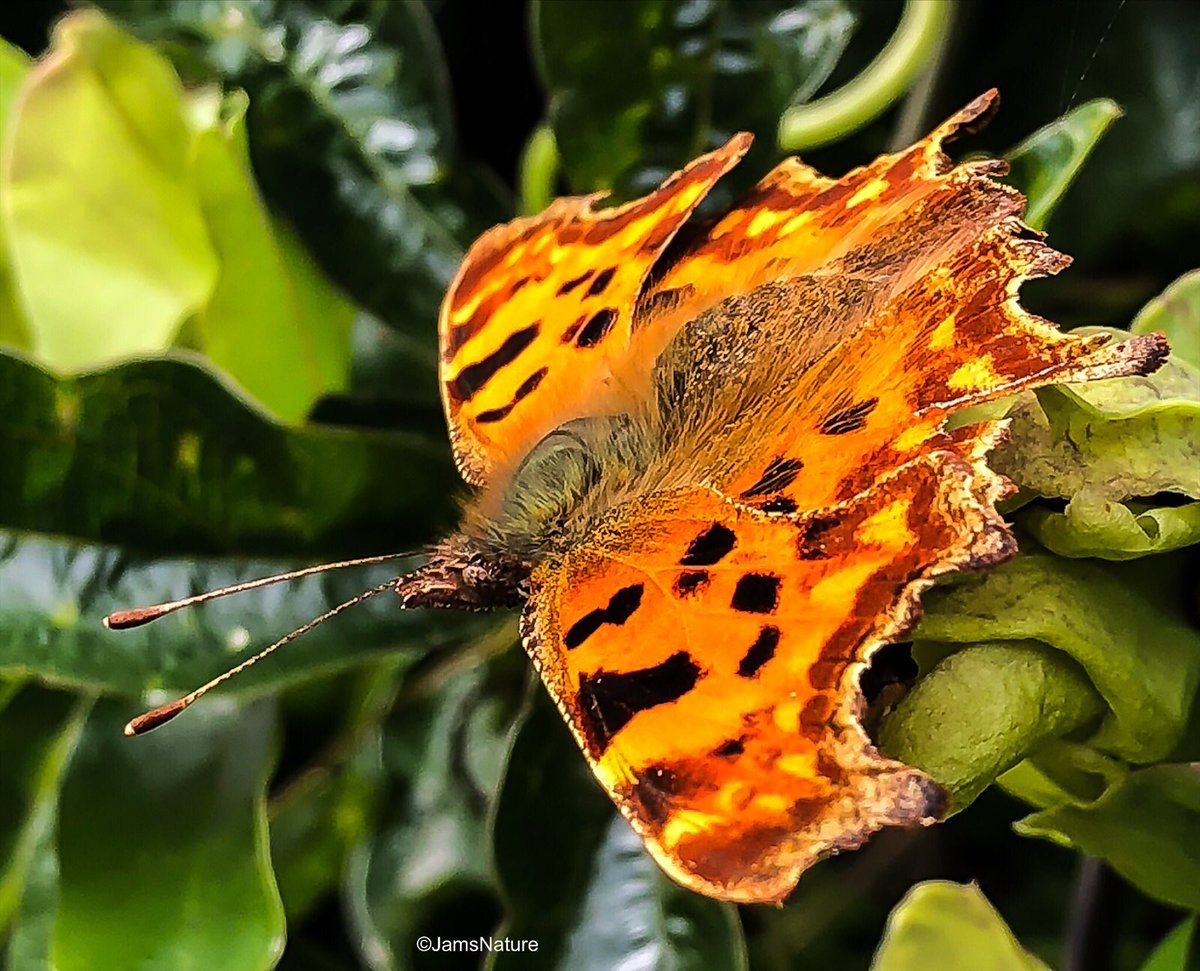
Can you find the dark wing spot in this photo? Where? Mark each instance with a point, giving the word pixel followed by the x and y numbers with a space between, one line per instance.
pixel 597 328
pixel 779 474
pixel 620 608
pixel 517 286
pixel 709 547
pixel 474 376
pixel 761 651
pixel 609 699
pixel 569 334
pixel 690 582
pixel 848 419
pixel 654 790
pixel 779 504
pixel 601 282
pixel 527 388
pixel 661 302
pixel 730 749
pixel 756 593
pixel 572 284
pixel 810 539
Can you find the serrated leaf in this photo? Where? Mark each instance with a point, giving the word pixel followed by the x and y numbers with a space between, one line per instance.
pixel 108 243
pixel 1046 164
pixel 1147 826
pixel 578 880
pixel 56 592
pixel 162 846
pixel 161 456
pixel 944 926
pixel 639 88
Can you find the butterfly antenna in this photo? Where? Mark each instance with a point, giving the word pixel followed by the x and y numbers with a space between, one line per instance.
pixel 125 619
pixel 164 713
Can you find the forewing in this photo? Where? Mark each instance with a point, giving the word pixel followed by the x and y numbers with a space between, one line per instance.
pixel 887 300
pixel 707 658
pixel 542 307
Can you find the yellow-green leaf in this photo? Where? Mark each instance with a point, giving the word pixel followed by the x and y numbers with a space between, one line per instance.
pixel 944 926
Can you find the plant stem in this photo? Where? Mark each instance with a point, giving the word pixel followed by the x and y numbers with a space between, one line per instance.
pixel 1091 925
pixel 922 25
pixel 537 170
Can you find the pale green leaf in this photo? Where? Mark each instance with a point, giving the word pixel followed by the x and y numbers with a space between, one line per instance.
pixel 944 926
pixel 109 248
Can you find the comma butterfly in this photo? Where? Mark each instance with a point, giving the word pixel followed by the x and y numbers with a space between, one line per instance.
pixel 714 469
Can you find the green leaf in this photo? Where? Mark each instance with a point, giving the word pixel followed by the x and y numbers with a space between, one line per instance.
pixel 1046 164
pixel 638 88
pixel 442 753
pixel 1109 447
pixel 162 846
pixel 1147 826
pixel 1126 625
pixel 161 456
pixel 273 322
pixel 349 103
pixel 14 68
pixel 328 805
pixel 39 730
pixel 1173 951
pixel 108 243
pixel 578 880
pixel 983 709
pixel 944 926
pixel 57 592
pixel 1176 312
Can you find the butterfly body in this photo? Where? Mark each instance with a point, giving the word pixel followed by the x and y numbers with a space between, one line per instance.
pixel 714 468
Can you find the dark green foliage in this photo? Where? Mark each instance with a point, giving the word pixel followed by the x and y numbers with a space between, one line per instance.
pixel 304 198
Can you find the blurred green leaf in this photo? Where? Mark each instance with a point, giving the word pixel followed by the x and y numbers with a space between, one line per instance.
pixel 578 880
pixel 55 594
pixel 39 730
pixel 1147 826
pixel 105 230
pixel 1176 312
pixel 1017 694
pixel 443 755
pixel 160 456
pixel 943 926
pixel 1046 164
pixel 349 103
pixel 1127 626
pixel 1141 185
pixel 1172 953
pixel 14 68
pixel 329 804
pixel 273 322
pixel 162 845
pixel 33 925
pixel 1113 449
pixel 639 88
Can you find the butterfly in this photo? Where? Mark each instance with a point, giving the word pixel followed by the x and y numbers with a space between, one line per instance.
pixel 713 469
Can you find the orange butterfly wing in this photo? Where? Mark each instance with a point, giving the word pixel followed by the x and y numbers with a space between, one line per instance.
pixel 705 642
pixel 542 306
pixel 707 657
pixel 897 285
